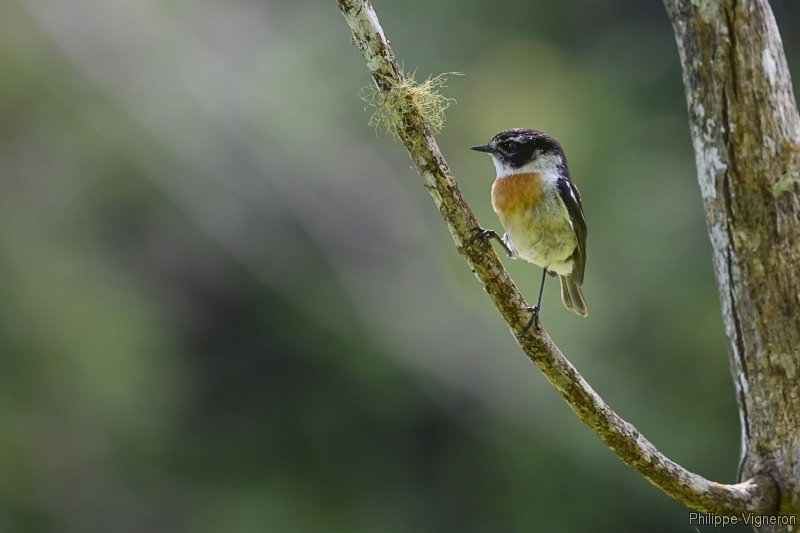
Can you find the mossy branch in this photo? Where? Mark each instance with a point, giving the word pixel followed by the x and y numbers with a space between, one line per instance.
pixel 407 97
pixel 757 495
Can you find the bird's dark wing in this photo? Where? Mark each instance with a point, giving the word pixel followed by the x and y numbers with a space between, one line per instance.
pixel 572 199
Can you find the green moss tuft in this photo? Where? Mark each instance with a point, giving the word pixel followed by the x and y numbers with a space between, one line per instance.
pixel 424 98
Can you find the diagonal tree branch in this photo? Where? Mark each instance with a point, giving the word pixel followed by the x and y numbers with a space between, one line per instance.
pixel 758 494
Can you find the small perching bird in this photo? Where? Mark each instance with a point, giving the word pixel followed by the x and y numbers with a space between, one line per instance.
pixel 540 208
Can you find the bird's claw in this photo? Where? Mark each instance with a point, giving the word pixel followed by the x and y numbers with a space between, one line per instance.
pixel 481 234
pixel 485 234
pixel 534 321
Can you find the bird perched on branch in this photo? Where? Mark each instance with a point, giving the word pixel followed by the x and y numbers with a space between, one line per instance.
pixel 540 208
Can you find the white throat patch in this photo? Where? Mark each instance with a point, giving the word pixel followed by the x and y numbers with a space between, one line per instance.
pixel 545 164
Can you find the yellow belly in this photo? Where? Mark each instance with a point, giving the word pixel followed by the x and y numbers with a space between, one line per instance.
pixel 536 221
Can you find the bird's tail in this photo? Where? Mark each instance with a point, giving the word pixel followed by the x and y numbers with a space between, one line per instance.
pixel 572 296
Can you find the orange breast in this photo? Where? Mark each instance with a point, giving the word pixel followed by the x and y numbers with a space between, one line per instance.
pixel 516 193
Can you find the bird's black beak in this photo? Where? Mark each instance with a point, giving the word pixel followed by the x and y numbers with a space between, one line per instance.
pixel 483 148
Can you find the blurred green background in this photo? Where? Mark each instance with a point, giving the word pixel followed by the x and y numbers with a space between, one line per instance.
pixel 228 306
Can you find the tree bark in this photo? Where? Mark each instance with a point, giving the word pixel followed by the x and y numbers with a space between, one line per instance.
pixel 746 133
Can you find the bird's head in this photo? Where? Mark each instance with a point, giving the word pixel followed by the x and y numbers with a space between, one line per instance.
pixel 523 150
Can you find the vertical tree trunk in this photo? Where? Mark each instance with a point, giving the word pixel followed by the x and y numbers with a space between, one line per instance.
pixel 746 133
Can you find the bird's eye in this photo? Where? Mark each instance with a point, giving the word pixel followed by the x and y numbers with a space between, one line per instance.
pixel 510 146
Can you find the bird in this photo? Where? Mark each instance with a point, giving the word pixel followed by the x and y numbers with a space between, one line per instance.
pixel 540 210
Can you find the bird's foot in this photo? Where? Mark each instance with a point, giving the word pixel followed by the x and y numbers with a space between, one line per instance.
pixel 482 234
pixel 534 321
pixel 485 234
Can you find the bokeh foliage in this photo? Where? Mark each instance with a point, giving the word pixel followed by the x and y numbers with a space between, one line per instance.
pixel 228 306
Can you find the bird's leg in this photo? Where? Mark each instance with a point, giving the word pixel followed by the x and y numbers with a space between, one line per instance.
pixel 488 234
pixel 535 318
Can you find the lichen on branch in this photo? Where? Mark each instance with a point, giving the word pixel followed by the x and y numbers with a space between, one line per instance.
pixel 404 98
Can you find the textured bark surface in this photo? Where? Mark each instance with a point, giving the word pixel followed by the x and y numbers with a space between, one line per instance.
pixel 746 134
pixel 757 494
